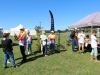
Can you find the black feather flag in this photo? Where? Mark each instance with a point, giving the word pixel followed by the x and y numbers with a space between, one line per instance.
pixel 52 21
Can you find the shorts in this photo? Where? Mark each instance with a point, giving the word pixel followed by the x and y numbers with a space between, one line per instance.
pixel 94 51
pixel 81 44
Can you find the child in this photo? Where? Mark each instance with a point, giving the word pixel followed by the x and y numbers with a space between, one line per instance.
pixel 29 43
pixel 7 50
pixel 87 44
pixel 81 38
pixel 94 44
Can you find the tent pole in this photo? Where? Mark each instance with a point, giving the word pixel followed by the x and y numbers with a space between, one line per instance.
pixel 98 31
pixel 91 29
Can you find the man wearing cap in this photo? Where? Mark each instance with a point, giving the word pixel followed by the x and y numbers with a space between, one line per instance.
pixel 22 43
pixel 52 38
pixel 74 40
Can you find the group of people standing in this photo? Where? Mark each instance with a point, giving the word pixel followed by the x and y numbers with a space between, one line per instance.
pixel 25 42
pixel 83 41
pixel 45 40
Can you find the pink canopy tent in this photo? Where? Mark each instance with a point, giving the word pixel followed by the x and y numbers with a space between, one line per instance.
pixel 92 20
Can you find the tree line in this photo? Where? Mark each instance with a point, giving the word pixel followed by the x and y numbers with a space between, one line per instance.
pixel 39 28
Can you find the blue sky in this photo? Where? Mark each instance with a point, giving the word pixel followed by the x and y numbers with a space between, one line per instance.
pixel 30 12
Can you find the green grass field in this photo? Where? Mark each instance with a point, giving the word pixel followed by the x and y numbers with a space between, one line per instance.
pixel 63 63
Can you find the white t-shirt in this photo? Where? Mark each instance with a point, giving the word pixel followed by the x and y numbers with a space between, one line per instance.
pixel 81 38
pixel 43 39
pixel 29 39
pixel 93 41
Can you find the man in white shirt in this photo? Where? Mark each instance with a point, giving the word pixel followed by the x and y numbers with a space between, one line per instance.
pixel 81 37
pixel 94 44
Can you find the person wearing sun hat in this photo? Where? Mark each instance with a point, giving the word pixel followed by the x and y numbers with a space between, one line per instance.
pixel 23 33
pixel 8 33
pixel 52 38
pixel 8 37
pixel 22 43
pixel 7 50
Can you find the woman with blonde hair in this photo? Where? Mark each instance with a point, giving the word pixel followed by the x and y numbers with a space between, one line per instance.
pixel 43 43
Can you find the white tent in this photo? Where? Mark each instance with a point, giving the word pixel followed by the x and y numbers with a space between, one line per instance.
pixel 16 30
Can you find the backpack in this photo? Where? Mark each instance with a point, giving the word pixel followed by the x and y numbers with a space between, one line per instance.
pixel 72 35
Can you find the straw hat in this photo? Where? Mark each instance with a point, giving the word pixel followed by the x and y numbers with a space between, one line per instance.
pixel 7 32
pixel 75 28
pixel 52 31
pixel 22 28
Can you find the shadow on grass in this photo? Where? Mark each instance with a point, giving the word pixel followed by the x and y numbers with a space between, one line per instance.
pixel 35 39
pixel 29 59
pixel 30 55
pixel 35 56
pixel 0 46
pixel 32 58
pixel 60 48
pixel 38 51
pixel 56 51
pixel 98 57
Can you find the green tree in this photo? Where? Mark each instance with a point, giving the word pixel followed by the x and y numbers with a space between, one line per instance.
pixel 66 30
pixel 38 28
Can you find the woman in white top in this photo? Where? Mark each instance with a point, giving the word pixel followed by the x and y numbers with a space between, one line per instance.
pixel 94 44
pixel 29 42
pixel 43 42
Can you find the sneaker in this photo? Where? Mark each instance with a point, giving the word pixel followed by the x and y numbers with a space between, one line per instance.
pixel 82 52
pixel 79 53
pixel 23 61
pixel 15 66
pixel 8 62
pixel 41 52
pixel 5 66
pixel 28 52
pixel 46 55
pixel 31 53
